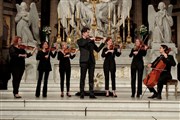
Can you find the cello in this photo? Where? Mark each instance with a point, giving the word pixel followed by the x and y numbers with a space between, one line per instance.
pixel 152 78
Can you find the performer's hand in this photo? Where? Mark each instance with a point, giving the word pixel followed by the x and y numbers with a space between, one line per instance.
pixel 46 56
pixel 165 55
pixel 135 52
pixel 145 47
pixel 67 55
pixel 92 38
pixel 104 40
pixel 149 65
pixel 111 51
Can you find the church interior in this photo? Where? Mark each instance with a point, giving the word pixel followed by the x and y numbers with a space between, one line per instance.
pixel 155 22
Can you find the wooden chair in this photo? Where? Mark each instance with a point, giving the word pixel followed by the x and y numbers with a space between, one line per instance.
pixel 171 82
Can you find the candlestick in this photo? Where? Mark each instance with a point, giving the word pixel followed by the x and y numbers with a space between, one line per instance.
pixel 78 15
pixel 115 16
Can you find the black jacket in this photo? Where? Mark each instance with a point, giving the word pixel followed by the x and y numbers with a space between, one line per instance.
pixel 15 60
pixel 139 57
pixel 44 64
pixel 64 61
pixel 169 61
pixel 86 47
pixel 109 62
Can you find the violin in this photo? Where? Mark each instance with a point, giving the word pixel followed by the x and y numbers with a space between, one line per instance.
pixel 69 50
pixel 51 49
pixel 26 47
pixel 152 78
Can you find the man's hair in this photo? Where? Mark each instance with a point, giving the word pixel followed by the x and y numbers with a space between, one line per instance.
pixel 84 29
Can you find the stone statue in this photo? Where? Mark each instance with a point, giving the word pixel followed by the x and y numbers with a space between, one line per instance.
pixel 160 23
pixel 25 20
pixel 86 14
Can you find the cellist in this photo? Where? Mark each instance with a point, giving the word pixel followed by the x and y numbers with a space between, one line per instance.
pixel 165 74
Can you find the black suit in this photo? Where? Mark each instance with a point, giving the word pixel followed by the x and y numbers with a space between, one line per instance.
pixel 65 68
pixel 165 75
pixel 87 61
pixel 137 65
pixel 110 66
pixel 17 65
pixel 43 67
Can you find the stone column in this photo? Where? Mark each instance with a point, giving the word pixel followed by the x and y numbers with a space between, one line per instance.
pixel 138 12
pixel 53 16
pixel 1 25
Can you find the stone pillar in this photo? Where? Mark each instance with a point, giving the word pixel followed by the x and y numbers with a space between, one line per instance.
pixel 138 12
pixel 1 25
pixel 53 16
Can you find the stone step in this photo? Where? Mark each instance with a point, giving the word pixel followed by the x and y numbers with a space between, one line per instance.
pixel 75 103
pixel 78 111
pixel 63 117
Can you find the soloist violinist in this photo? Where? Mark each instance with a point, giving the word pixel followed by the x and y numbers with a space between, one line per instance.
pixel 64 56
pixel 44 67
pixel 17 63
pixel 165 74
pixel 137 67
pixel 109 65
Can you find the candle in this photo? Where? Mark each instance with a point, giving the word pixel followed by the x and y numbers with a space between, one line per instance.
pixel 109 15
pixel 128 12
pixel 123 21
pixel 115 16
pixel 72 20
pixel 78 12
pixel 119 11
pixel 69 13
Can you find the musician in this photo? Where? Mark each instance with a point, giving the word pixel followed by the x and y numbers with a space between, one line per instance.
pixel 165 74
pixel 17 63
pixel 109 65
pixel 64 56
pixel 44 67
pixel 87 60
pixel 137 66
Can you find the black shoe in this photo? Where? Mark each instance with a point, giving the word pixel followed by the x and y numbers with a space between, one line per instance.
pixel 17 96
pixel 82 96
pixel 153 96
pixel 92 96
pixel 62 95
pixel 138 96
pixel 68 94
pixel 159 97
pixel 44 96
pixel 132 96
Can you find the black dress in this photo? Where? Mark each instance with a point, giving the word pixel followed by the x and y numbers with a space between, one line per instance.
pixel 65 68
pixel 44 67
pixel 87 62
pixel 137 66
pixel 110 66
pixel 17 66
pixel 165 74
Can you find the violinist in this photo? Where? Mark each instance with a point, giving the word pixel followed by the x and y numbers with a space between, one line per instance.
pixel 64 56
pixel 109 65
pixel 165 74
pixel 87 60
pixel 17 63
pixel 44 67
pixel 137 66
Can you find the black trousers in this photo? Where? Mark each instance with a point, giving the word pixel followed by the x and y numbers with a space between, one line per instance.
pixel 38 88
pixel 17 74
pixel 161 81
pixel 65 71
pixel 112 70
pixel 136 68
pixel 84 67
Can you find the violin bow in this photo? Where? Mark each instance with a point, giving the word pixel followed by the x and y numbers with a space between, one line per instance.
pixel 51 42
